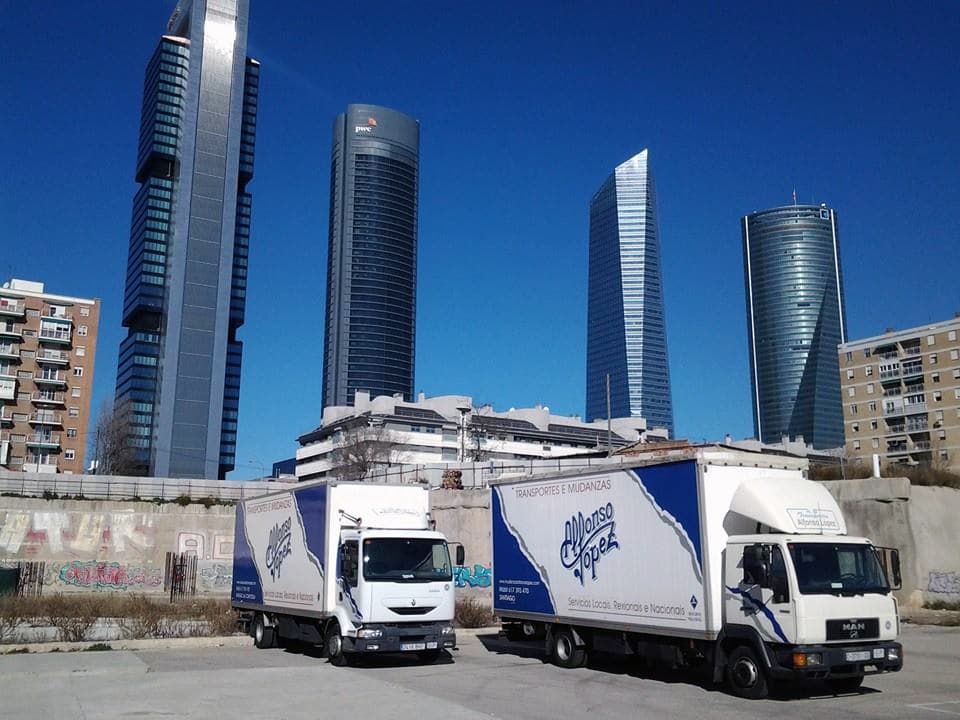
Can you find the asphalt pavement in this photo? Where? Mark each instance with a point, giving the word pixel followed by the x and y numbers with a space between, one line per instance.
pixel 486 677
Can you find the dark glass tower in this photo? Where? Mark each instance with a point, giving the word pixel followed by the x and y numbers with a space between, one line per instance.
pixel 178 379
pixel 795 320
pixel 626 328
pixel 372 257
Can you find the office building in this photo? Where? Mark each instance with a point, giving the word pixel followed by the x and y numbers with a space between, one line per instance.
pixel 795 320
pixel 448 429
pixel 626 327
pixel 901 396
pixel 372 256
pixel 48 345
pixel 178 378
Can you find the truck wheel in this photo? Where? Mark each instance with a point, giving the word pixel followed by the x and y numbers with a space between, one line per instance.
pixel 263 636
pixel 845 685
pixel 745 674
pixel 428 657
pixel 564 651
pixel 333 645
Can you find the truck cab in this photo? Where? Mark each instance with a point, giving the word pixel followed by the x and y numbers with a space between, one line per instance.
pixel 394 591
pixel 810 607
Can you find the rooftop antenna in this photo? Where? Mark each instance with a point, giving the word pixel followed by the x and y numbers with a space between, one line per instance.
pixel 794 196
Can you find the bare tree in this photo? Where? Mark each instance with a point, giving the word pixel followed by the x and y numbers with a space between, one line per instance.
pixel 112 451
pixel 362 448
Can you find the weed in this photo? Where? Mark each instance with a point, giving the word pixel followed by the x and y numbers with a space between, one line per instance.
pixel 73 618
pixel 97 647
pixel 471 613
pixel 942 605
pixel 18 651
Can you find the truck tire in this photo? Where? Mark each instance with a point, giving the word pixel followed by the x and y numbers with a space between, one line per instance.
pixel 845 685
pixel 745 674
pixel 333 647
pixel 564 651
pixel 263 636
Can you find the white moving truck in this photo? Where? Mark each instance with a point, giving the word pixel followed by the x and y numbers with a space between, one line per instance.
pixel 705 555
pixel 355 567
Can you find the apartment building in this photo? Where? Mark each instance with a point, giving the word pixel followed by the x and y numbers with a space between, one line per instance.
pixel 449 429
pixel 47 352
pixel 901 396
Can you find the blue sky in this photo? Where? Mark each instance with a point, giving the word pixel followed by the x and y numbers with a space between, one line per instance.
pixel 524 109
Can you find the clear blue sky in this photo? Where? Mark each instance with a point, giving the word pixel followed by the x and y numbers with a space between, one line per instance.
pixel 524 109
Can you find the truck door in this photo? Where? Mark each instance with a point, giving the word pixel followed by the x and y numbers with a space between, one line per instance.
pixel 757 592
pixel 348 580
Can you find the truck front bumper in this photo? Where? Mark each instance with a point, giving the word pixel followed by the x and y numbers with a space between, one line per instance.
pixel 837 661
pixel 402 637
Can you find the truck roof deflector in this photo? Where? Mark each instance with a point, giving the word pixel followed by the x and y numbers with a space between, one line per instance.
pixel 789 505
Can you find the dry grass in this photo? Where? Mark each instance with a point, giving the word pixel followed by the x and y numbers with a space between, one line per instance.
pixel 471 613
pixel 917 474
pixel 74 616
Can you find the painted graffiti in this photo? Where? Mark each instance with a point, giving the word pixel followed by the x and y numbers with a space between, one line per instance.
pixel 217 575
pixel 108 575
pixel 944 582
pixel 478 576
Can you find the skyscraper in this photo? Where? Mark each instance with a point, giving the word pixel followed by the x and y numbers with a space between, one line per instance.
pixel 372 257
pixel 178 380
pixel 626 328
pixel 795 320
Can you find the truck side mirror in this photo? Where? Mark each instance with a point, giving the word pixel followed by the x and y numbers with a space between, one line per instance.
pixel 461 554
pixel 895 566
pixel 755 566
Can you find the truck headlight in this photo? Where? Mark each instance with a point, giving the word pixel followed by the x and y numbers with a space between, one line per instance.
pixel 447 630
pixel 807 659
pixel 369 633
pixel 893 654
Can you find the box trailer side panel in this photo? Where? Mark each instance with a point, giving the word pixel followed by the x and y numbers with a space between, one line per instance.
pixel 616 548
pixel 279 545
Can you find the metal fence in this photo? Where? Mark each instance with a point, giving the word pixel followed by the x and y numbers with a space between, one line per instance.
pixel 115 487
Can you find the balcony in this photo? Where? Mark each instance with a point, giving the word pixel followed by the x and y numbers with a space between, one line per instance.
pixel 8 389
pixel 888 355
pixel 6 417
pixel 921 445
pixel 887 375
pixel 14 308
pixel 896 429
pixel 63 317
pixel 911 351
pixel 45 397
pixel 54 335
pixel 44 440
pixel 892 411
pixel 9 330
pixel 9 352
pixel 41 467
pixel 54 379
pixel 46 418
pixel 54 357
pixel 911 408
pixel 917 427
pixel 911 370
pixel 894 448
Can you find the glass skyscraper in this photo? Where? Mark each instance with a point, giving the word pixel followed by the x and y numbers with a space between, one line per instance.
pixel 178 380
pixel 372 257
pixel 795 320
pixel 626 328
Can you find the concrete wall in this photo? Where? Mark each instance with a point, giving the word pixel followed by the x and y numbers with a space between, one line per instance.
pixel 922 522
pixel 464 517
pixel 116 546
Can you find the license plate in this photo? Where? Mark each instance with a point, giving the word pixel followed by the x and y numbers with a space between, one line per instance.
pixel 413 646
pixel 858 656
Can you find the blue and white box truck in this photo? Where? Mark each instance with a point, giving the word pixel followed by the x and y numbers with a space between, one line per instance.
pixel 354 567
pixel 704 555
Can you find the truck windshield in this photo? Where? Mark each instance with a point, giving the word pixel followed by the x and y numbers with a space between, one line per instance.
pixel 837 569
pixel 406 560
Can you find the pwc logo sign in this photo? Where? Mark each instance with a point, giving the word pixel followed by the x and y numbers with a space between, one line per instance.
pixel 365 129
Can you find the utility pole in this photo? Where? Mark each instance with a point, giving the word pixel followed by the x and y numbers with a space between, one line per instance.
pixel 609 433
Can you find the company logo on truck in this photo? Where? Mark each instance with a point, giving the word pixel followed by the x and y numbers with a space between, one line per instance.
pixel 587 538
pixel 279 546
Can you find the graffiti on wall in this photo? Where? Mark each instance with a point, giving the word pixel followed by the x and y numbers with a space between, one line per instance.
pixel 217 547
pixel 944 582
pixel 215 576
pixel 27 534
pixel 95 575
pixel 477 576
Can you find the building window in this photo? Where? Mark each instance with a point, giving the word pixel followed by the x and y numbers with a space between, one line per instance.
pixel 869 388
pixel 867 352
pixel 24 374
pixel 933 359
pixel 872 406
pixel 853 409
pixel 82 331
pixel 944 455
pixel 868 370
pixel 80 351
pixel 876 443
pixel 850 374
pixel 938 417
pixel 941 435
pixel 935 377
pixel 855 427
pixel 849 357
pixel 952 336
pixel 931 339
pixel 75 392
pixel 851 391
pixel 873 424
pixel 73 412
pixel 955 354
pixel 956 373
pixel 32 313
pixel 78 372
pixel 85 311
pixel 956 394
pixel 937 396
pixel 71 432
pixel 69 454
pixel 856 444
